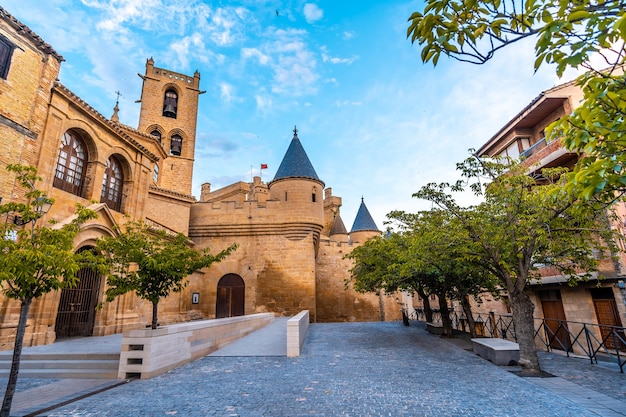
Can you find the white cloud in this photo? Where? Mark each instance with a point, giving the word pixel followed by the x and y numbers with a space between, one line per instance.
pixel 293 64
pixel 255 53
pixel 335 60
pixel 348 35
pixel 193 48
pixel 227 92
pixel 226 25
pixel 348 103
pixel 120 12
pixel 312 13
pixel 263 101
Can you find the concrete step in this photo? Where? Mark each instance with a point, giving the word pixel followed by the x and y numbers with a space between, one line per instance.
pixel 63 365
pixel 63 373
pixel 8 356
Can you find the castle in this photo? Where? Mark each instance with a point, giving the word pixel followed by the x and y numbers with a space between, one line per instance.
pixel 291 237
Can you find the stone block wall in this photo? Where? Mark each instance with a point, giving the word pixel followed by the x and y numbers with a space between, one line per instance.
pixel 338 302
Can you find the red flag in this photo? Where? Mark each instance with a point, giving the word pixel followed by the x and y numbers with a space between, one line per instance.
pixel 263 166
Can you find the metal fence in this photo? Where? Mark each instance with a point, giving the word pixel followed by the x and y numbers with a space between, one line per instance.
pixel 593 341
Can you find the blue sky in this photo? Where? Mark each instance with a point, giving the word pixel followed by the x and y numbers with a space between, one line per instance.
pixel 374 121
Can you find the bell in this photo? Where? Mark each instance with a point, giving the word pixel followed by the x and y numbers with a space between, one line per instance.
pixel 169 111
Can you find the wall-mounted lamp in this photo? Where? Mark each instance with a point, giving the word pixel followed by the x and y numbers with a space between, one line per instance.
pixel 42 206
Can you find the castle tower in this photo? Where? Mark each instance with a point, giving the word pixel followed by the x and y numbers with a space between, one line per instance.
pixel 364 226
pixel 169 111
pixel 338 232
pixel 297 184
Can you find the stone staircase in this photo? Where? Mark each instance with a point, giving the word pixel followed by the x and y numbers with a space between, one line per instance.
pixel 63 365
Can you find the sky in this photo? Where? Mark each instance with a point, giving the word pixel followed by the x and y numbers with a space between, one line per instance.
pixel 375 121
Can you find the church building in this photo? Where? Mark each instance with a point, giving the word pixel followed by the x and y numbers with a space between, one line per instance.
pixel 291 237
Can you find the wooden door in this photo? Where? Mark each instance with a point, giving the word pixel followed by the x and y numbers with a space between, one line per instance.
pixel 607 315
pixel 230 296
pixel 554 316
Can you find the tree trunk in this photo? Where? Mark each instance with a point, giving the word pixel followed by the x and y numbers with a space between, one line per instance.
pixel 523 319
pixel 467 310
pixel 445 315
pixel 155 319
pixel 15 363
pixel 428 311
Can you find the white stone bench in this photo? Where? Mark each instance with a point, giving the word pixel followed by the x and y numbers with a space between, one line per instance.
pixel 435 328
pixel 497 351
pixel 147 353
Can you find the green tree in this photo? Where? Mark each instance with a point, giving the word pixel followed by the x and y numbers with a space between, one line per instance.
pixel 429 254
pixel 34 260
pixel 522 225
pixel 567 34
pixel 151 262
pixel 442 254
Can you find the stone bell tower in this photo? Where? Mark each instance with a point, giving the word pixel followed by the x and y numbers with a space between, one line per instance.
pixel 169 111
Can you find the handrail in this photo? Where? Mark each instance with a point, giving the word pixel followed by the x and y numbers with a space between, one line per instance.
pixel 534 148
pixel 573 337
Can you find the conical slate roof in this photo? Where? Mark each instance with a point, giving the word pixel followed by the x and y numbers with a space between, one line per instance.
pixel 296 162
pixel 363 220
pixel 338 227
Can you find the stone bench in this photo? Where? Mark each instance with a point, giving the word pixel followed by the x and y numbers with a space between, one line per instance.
pixel 497 351
pixel 435 328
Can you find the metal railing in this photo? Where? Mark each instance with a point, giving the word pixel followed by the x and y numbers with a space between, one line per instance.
pixel 594 341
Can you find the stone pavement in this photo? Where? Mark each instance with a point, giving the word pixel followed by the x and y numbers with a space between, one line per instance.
pixel 362 369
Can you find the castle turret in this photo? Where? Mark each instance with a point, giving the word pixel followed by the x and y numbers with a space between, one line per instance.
pixel 364 226
pixel 296 183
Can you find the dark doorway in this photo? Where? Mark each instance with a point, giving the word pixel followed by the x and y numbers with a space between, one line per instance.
pixel 77 307
pixel 607 314
pixel 230 296
pixel 554 316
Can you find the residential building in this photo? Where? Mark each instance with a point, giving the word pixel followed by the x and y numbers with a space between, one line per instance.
pixel 600 301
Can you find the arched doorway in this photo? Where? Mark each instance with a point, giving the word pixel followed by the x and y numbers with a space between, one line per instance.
pixel 77 307
pixel 230 296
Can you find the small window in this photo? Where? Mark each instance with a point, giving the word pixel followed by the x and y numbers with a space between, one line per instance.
pixel 177 145
pixel 157 134
pixel 155 174
pixel 313 197
pixel 170 104
pixel 112 185
pixel 70 170
pixel 285 195
pixel 6 52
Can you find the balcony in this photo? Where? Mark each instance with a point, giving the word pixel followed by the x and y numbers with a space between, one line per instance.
pixel 533 149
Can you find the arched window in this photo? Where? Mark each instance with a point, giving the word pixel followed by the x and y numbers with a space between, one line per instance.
pixel 70 171
pixel 170 104
pixel 112 185
pixel 177 145
pixel 157 134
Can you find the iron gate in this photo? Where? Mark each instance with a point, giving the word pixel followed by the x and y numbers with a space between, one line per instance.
pixel 77 307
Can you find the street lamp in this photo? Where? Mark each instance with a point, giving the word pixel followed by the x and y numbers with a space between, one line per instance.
pixel 42 206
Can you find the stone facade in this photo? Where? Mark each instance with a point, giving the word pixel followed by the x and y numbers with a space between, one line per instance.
pixel 288 259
